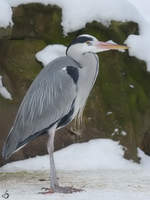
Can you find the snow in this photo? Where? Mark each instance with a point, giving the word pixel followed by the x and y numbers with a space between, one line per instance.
pixel 50 52
pixel 97 167
pixel 143 7
pixel 139 45
pixel 5 14
pixel 3 91
pixel 124 133
pixel 131 86
pixel 145 160
pixel 104 184
pixel 109 113
pixel 92 155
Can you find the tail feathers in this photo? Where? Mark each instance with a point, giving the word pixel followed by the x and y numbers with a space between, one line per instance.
pixel 14 143
pixel 9 146
pixel 5 154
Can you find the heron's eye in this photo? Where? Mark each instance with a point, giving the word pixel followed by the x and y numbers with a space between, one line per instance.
pixel 89 43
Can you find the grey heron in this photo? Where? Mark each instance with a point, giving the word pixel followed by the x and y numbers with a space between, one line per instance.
pixel 56 96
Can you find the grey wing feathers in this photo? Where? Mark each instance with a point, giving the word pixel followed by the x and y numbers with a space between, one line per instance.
pixel 48 99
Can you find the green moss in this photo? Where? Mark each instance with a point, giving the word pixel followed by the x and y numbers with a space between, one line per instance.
pixel 21 58
pixel 37 21
pixel 119 31
pixel 19 63
pixel 5 33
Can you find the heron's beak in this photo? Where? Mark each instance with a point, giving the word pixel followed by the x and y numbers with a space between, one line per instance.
pixel 108 46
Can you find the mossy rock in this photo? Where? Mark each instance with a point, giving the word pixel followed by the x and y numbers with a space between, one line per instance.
pixel 118 106
pixel 129 106
pixel 5 33
pixel 37 21
pixel 19 64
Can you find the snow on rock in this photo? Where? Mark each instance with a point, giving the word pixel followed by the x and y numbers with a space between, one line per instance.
pixel 50 52
pixel 140 44
pixel 145 161
pixel 76 13
pixel 3 91
pixel 109 113
pixel 92 155
pixel 124 133
pixel 5 14
pixel 143 7
pixel 131 86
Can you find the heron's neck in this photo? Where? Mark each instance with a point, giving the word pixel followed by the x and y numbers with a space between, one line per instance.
pixel 83 59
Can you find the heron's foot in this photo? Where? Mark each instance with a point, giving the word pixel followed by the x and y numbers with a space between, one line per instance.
pixel 59 189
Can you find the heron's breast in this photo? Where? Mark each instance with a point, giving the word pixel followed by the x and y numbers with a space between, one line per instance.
pixel 87 78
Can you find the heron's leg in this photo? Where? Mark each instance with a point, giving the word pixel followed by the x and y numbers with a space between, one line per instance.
pixel 54 186
pixel 50 148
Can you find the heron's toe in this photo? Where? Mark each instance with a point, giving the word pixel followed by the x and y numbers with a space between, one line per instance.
pixel 66 190
pixel 59 189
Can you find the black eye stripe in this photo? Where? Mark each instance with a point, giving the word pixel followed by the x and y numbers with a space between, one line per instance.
pixel 80 39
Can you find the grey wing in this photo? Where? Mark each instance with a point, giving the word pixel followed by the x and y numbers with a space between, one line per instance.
pixel 48 100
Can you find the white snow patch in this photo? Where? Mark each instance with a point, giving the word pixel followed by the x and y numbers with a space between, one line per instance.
pixel 92 155
pixel 3 91
pixel 143 7
pixel 5 14
pixel 145 159
pixel 140 44
pixel 131 86
pixel 50 52
pixel 116 131
pixel 124 133
pixel 109 113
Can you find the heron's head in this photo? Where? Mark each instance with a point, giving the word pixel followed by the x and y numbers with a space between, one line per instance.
pixel 88 43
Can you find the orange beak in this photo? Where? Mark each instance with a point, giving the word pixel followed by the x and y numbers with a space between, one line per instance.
pixel 108 46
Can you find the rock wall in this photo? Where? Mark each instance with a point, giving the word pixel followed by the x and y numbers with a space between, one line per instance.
pixel 119 105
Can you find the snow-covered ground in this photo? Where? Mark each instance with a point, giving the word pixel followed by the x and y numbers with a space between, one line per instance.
pixel 99 184
pixel 97 167
pixel 92 155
